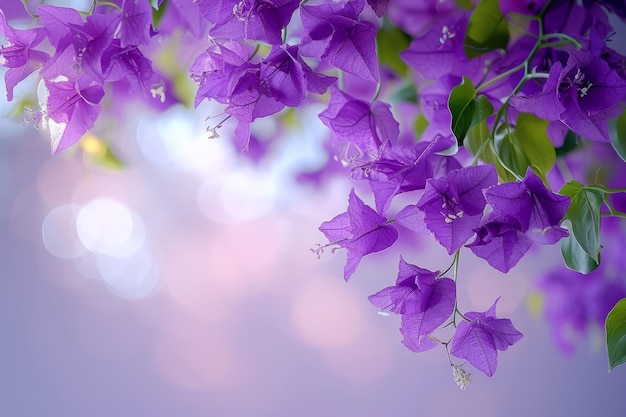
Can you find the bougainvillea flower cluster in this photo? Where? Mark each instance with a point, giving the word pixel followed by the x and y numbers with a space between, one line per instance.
pixel 474 124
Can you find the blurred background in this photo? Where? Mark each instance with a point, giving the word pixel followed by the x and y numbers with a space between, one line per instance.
pixel 184 284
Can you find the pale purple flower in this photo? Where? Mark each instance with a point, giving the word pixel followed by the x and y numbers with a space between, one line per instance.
pixel 18 55
pixel 357 122
pixel 69 110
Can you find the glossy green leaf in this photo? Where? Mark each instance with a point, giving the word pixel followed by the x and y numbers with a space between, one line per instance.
pixel 618 139
pixel 526 145
pixel 487 29
pixel 391 41
pixel 575 256
pixel 616 334
pixel 584 215
pixel 467 109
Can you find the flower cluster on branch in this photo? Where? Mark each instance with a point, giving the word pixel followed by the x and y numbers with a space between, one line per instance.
pixel 476 112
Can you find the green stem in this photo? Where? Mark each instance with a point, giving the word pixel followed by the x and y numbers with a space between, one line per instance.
pixel 501 76
pixel 566 38
pixel 605 189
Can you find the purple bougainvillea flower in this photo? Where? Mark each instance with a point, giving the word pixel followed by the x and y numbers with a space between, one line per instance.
pixel 574 301
pixel 424 302
pixel 333 33
pixel 538 210
pixel 18 55
pixel 500 241
pixel 69 110
pixel 379 6
pixel 578 94
pixel 359 123
pixel 360 230
pixel 225 75
pixel 454 205
pixel 131 66
pixel 479 340
pixel 79 44
pixel 398 169
pixel 136 22
pixel 288 77
pixel 261 20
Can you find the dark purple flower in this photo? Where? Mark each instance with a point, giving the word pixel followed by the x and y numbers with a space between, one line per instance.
pixel 454 205
pixel 379 6
pixel 578 94
pixel 18 55
pixel 500 241
pixel 479 340
pixel 424 301
pixel 538 210
pixel 333 33
pixel 288 77
pixel 360 230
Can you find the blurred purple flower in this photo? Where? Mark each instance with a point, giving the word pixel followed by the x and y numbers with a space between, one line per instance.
pixel 574 301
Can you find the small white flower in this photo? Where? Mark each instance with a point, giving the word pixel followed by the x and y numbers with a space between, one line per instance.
pixel 461 377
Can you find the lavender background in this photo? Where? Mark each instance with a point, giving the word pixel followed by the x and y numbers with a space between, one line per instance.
pixel 184 285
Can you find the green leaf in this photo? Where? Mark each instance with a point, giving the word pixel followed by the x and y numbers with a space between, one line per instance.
pixel 575 256
pixel 527 145
pixel 157 11
pixel 391 41
pixel 420 125
pixel 584 215
pixel 618 140
pixel 616 334
pixel 406 93
pixel 487 29
pixel 570 143
pixel 478 142
pixel 467 109
pixel 464 4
